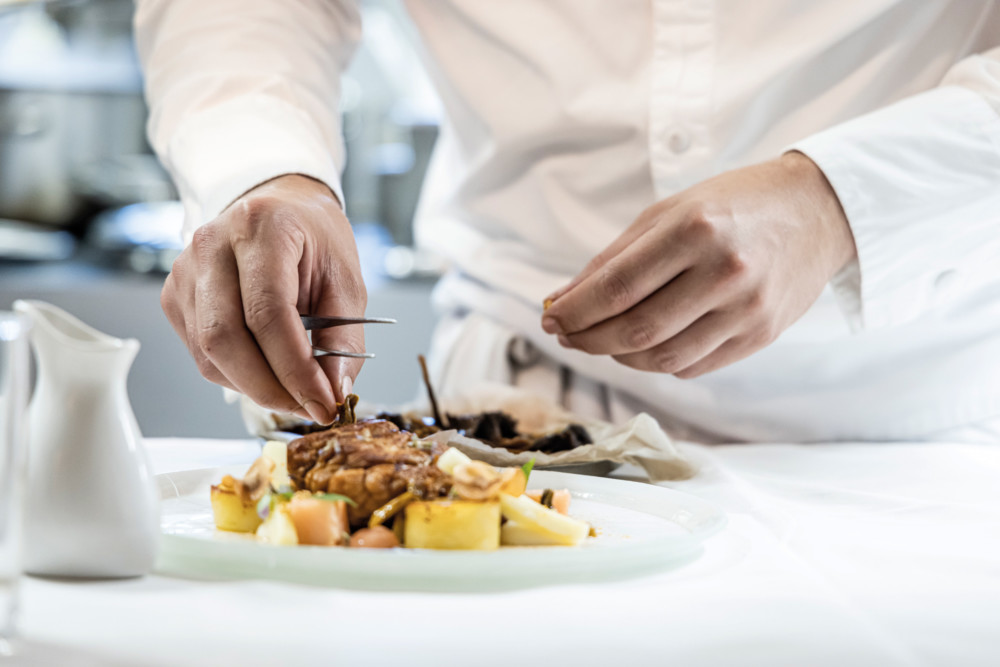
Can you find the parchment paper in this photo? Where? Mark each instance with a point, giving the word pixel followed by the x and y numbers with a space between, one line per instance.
pixel 640 440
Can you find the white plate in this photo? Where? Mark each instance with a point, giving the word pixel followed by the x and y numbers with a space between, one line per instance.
pixel 641 528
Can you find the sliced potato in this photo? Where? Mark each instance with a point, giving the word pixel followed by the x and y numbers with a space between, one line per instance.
pixel 549 524
pixel 231 512
pixel 452 524
pixel 278 527
pixel 513 534
pixel 451 458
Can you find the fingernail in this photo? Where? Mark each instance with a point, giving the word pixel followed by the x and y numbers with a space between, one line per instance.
pixel 346 386
pixel 550 325
pixel 318 412
pixel 301 413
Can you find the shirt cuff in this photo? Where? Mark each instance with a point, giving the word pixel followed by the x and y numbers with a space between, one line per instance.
pixel 918 183
pixel 219 154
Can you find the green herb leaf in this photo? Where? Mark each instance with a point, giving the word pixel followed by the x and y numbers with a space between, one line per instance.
pixel 527 468
pixel 335 497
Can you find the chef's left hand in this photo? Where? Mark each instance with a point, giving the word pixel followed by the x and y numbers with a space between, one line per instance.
pixel 710 275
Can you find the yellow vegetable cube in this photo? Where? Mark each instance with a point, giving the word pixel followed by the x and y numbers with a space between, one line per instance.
pixel 278 527
pixel 452 524
pixel 229 509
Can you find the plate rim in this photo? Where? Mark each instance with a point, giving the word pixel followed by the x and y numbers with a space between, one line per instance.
pixel 193 556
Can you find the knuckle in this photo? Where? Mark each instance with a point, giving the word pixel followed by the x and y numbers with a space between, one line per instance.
pixel 615 288
pixel 211 338
pixel 699 227
pixel 203 239
pixel 639 334
pixel 733 264
pixel 262 315
pixel 256 207
pixel 667 361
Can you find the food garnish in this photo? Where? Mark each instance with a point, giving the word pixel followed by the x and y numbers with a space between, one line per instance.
pixel 527 468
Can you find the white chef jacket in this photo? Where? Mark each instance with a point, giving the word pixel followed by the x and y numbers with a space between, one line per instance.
pixel 564 119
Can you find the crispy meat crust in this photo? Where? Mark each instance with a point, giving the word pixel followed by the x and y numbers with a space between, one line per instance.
pixel 370 462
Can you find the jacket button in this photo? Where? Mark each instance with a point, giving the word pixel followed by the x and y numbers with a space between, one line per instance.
pixel 679 141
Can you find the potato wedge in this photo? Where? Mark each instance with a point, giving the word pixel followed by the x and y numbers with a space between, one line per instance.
pixel 513 534
pixel 452 524
pixel 229 509
pixel 547 523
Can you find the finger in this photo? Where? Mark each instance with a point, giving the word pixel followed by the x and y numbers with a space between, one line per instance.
pixel 642 268
pixel 221 334
pixel 686 348
pixel 666 313
pixel 269 287
pixel 169 302
pixel 728 353
pixel 342 294
pixel 641 225
pixel 208 370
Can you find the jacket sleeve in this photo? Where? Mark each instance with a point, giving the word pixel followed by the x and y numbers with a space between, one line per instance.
pixel 920 183
pixel 241 92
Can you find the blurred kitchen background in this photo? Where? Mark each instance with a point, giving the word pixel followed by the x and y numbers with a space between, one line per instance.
pixel 89 219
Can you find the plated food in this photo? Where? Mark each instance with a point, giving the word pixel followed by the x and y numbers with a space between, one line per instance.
pixel 496 428
pixel 372 483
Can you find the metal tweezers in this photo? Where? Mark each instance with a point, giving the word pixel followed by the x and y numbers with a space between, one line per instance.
pixel 314 322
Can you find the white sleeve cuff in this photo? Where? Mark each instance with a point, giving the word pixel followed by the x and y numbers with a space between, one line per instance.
pixel 918 181
pixel 219 154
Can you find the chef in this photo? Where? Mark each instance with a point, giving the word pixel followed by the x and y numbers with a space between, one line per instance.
pixel 756 221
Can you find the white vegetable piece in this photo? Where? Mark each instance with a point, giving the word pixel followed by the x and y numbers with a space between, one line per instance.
pixel 278 528
pixel 277 451
pixel 451 459
pixel 547 524
pixel 513 534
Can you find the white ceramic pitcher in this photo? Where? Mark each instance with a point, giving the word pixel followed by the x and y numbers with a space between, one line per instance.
pixel 91 505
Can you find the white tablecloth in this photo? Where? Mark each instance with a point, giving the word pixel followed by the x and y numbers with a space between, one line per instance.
pixel 866 554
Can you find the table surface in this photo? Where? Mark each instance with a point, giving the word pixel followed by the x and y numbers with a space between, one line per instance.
pixel 841 554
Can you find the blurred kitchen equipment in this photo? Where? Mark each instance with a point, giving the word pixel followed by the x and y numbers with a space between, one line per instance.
pixel 72 116
pixel 23 242
pixel 91 507
pixel 13 401
pixel 144 238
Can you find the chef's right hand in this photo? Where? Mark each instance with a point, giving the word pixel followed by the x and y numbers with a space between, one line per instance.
pixel 235 294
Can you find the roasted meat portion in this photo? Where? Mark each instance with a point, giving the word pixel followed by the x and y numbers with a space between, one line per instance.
pixel 370 462
pixel 498 429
